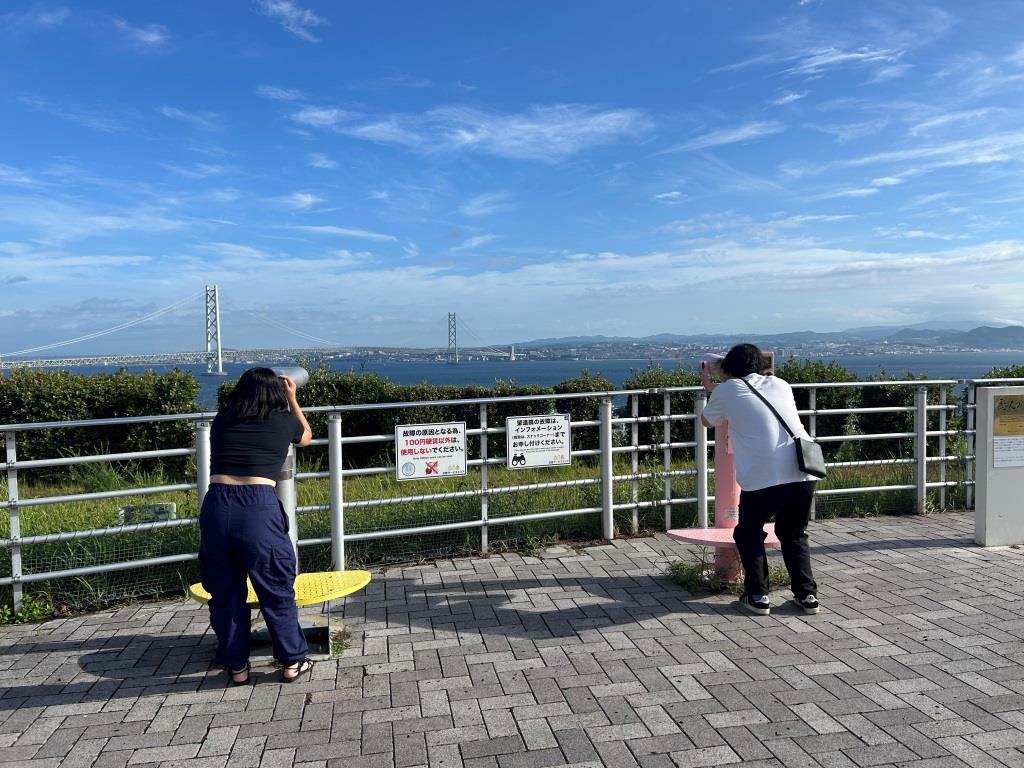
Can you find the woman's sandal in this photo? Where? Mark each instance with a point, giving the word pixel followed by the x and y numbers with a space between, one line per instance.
pixel 235 675
pixel 298 669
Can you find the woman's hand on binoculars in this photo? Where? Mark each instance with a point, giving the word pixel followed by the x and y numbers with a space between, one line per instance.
pixel 705 377
pixel 289 387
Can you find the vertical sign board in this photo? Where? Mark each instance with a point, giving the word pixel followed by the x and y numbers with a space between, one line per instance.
pixel 537 441
pixel 424 451
pixel 999 465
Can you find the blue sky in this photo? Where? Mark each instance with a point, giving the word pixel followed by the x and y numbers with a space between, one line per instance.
pixel 356 171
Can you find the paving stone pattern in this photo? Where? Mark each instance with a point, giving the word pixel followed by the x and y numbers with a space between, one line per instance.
pixel 588 659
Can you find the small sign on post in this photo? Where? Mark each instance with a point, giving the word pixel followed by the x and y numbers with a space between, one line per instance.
pixel 424 451
pixel 537 441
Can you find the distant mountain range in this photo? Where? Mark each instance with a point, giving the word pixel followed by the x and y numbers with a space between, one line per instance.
pixel 962 334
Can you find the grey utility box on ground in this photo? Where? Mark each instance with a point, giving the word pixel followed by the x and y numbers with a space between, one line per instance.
pixel 999 448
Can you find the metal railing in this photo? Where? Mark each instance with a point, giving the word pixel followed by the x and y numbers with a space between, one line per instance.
pixel 618 434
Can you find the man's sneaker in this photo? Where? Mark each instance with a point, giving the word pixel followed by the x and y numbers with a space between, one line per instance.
pixel 808 603
pixel 756 604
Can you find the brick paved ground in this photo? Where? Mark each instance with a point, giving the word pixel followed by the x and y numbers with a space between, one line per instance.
pixel 587 660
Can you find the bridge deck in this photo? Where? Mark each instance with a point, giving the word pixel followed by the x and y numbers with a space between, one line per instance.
pixel 573 658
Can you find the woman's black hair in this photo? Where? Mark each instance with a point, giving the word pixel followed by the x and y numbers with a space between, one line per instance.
pixel 257 394
pixel 743 359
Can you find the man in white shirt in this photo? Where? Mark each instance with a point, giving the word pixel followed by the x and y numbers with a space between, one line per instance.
pixel 771 482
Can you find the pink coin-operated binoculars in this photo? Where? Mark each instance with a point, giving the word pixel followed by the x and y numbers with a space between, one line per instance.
pixel 727 490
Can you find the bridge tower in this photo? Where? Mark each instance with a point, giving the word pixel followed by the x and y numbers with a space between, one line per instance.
pixel 213 332
pixel 453 340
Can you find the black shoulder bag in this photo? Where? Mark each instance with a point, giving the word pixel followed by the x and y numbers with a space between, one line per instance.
pixel 808 453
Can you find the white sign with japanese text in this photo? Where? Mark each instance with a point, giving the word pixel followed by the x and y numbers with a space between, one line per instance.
pixel 537 441
pixel 424 451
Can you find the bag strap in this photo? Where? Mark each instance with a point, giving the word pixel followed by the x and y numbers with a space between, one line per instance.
pixel 770 407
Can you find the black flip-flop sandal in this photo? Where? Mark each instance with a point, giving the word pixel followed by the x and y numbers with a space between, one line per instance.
pixel 300 668
pixel 232 673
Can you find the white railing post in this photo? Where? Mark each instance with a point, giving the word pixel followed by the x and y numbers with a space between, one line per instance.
pixel 812 430
pixel 337 491
pixel 666 462
pixel 700 455
pixel 607 477
pixel 14 520
pixel 972 400
pixel 484 500
pixel 942 446
pixel 202 461
pixel 921 448
pixel 634 464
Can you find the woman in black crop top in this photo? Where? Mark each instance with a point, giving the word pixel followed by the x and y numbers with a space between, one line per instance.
pixel 243 530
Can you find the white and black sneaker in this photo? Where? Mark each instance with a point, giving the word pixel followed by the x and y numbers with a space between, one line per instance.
pixel 758 604
pixel 808 603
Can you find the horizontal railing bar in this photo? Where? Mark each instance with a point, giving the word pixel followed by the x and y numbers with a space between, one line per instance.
pixel 864 489
pixel 105 568
pixel 470 493
pixel 50 538
pixel 45 500
pixel 72 460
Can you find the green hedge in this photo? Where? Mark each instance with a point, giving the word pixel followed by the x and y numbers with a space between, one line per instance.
pixel 30 396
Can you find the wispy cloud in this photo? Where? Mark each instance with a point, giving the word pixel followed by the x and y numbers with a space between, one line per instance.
pixel 550 133
pixel 845 132
pixel 394 81
pixel 903 232
pixel 196 170
pixel 51 220
pixel 11 175
pixel 487 204
pixel 205 120
pixel 300 201
pixel 675 196
pixel 293 17
pixel 96 118
pixel 926 126
pixel 323 117
pixel 730 135
pixel 850 192
pixel 320 160
pixel 360 234
pixel 474 242
pixel 815 62
pixel 886 181
pixel 149 37
pixel 378 194
pixel 274 93
pixel 1017 57
pixel 39 17
pixel 788 98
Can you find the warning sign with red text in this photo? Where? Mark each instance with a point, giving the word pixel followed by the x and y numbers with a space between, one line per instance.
pixel 425 451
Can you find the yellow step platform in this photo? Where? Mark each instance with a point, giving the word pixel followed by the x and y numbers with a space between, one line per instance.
pixel 310 588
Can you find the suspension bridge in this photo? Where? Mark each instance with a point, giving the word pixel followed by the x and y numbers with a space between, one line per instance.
pixel 215 355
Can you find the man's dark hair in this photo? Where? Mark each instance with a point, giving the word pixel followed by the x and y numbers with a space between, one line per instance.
pixel 258 393
pixel 743 359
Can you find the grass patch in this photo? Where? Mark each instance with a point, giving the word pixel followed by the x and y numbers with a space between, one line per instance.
pixel 698 575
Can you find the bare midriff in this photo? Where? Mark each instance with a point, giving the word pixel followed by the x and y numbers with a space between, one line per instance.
pixel 242 480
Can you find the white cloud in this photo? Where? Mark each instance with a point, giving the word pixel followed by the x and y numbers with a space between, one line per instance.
pixel 11 175
pixel 151 36
pixel 394 81
pixel 51 220
pixel 474 242
pixel 235 250
pixel 294 18
pixel 275 93
pixel 347 232
pixel 206 120
pixel 903 232
pixel 488 204
pixel 299 201
pixel 675 196
pixel 845 132
pixel 320 160
pixel 323 117
pixel 1017 57
pixel 850 192
pixel 39 17
pixel 378 195
pixel 549 134
pixel 886 181
pixel 788 98
pixel 196 170
pixel 732 135
pixel 952 117
pixel 96 118
pixel 817 61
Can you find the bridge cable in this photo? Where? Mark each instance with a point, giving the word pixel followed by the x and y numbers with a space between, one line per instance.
pixel 480 342
pixel 282 327
pixel 105 331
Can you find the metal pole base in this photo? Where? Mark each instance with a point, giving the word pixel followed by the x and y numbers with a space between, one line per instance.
pixel 317 631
